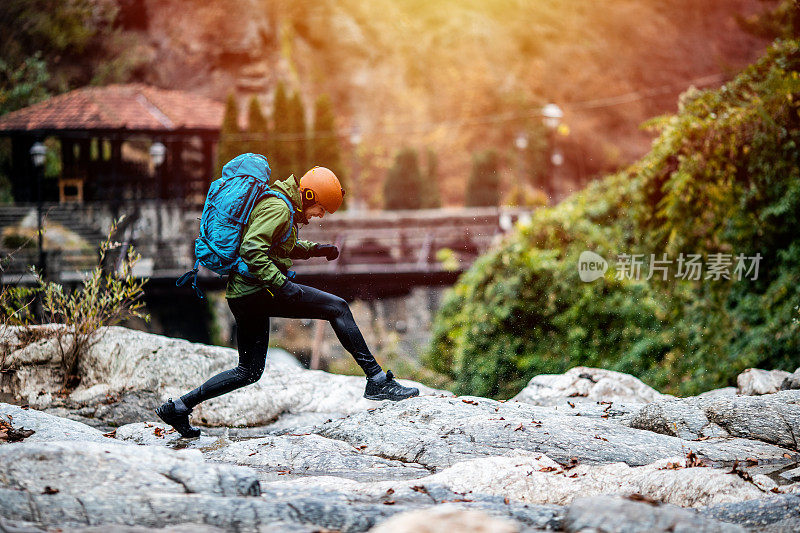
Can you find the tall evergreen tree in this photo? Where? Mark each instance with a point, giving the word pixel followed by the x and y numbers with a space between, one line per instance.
pixel 483 187
pixel 230 144
pixel 431 198
pixel 297 146
pixel 324 150
pixel 281 160
pixel 401 189
pixel 257 129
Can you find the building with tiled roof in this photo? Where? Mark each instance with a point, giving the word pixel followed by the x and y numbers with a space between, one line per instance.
pixel 103 136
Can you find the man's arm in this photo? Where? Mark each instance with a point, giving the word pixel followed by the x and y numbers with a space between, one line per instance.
pixel 303 250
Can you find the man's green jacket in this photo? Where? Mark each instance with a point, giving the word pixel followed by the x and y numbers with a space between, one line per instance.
pixel 268 223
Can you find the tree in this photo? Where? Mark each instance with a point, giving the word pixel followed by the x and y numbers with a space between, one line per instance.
pixel 230 144
pixel 324 147
pixel 281 160
pixel 430 197
pixel 298 133
pixel 401 189
pixel 483 187
pixel 257 129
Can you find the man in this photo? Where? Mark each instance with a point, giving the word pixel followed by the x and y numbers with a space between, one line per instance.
pixel 271 293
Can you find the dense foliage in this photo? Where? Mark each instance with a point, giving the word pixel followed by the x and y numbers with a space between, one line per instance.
pixel 722 178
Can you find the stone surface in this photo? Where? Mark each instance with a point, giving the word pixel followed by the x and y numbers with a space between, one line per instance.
pixel 754 381
pixel 539 480
pixel 773 418
pixel 607 514
pixel 127 373
pixel 684 418
pixel 757 513
pixel 439 432
pixel 591 383
pixel 792 381
pixel 80 468
pixel 313 455
pixel 48 427
pixel 447 517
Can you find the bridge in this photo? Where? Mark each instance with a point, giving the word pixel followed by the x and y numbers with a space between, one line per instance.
pixel 383 253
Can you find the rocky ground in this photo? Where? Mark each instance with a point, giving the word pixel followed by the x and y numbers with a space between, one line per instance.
pixel 589 450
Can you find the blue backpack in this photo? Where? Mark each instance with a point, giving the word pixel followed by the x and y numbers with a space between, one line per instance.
pixel 230 199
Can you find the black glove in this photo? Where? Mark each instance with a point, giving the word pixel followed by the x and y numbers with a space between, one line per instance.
pixel 328 251
pixel 289 291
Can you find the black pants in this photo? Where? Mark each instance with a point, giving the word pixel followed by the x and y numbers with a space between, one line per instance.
pixel 252 313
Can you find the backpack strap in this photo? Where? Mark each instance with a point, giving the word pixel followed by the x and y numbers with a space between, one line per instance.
pixel 184 278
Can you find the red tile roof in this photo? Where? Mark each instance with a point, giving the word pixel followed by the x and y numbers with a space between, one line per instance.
pixel 132 106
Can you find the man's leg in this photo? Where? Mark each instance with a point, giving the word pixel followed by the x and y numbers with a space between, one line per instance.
pixel 252 333
pixel 314 303
pixel 252 338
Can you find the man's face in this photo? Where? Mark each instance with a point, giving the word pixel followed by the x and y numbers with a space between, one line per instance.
pixel 315 210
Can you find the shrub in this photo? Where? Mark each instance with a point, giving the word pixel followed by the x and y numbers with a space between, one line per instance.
pixel 722 177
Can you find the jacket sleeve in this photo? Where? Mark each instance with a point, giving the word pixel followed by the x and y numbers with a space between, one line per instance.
pixel 302 250
pixel 268 224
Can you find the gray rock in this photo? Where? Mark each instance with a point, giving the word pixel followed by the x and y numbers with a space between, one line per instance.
pixel 620 515
pixel 127 373
pixel 755 381
pixel 724 392
pixel 757 513
pixel 684 418
pixel 48 427
pixel 773 418
pixel 791 381
pixel 313 455
pixel 595 384
pixel 439 432
pixel 81 468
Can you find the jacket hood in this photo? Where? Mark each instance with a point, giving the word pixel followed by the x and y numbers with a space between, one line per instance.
pixel 291 188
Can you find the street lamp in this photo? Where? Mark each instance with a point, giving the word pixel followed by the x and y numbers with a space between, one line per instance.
pixel 552 115
pixel 38 153
pixel 158 153
pixel 355 141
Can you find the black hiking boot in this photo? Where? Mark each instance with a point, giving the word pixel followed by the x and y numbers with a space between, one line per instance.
pixel 179 419
pixel 388 389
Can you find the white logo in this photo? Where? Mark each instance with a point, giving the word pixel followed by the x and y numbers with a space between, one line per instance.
pixel 591 266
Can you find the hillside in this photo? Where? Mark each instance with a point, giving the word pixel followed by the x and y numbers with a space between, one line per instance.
pixel 448 75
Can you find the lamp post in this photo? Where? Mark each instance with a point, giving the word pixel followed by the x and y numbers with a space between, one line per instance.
pixel 355 142
pixel 521 142
pixel 552 115
pixel 38 153
pixel 158 153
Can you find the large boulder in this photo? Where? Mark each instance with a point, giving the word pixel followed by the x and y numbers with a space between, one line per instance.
pixel 127 373
pixel 447 517
pixel 754 381
pixel 772 418
pixel 47 427
pixel 289 454
pixel 625 516
pixel 783 509
pixel 537 479
pixel 79 468
pixel 594 384
pixel 792 381
pixel 439 432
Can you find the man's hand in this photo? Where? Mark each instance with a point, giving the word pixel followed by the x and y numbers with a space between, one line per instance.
pixel 289 291
pixel 328 251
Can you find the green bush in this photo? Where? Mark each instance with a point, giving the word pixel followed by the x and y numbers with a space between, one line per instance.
pixel 722 177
